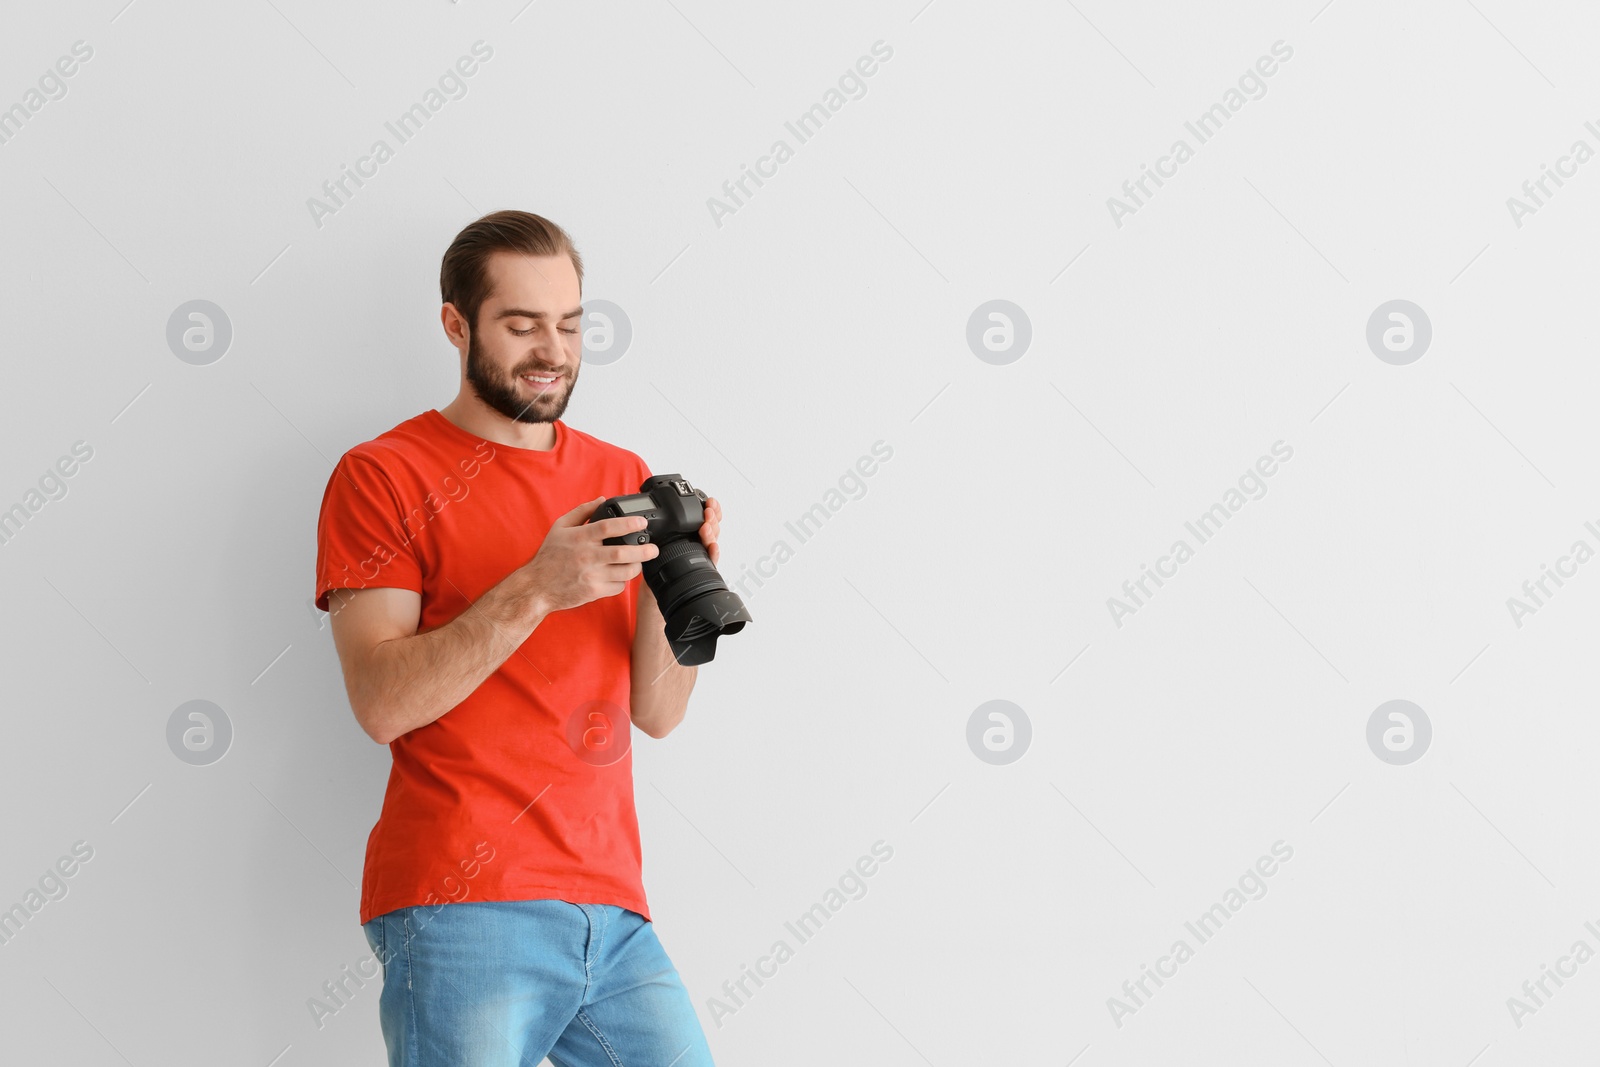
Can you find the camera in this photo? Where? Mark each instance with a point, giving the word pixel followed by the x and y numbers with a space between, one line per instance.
pixel 696 603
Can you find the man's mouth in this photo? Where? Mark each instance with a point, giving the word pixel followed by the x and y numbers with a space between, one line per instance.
pixel 542 382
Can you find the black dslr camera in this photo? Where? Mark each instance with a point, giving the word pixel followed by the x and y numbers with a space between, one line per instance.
pixel 698 606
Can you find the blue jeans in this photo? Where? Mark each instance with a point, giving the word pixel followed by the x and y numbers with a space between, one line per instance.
pixel 507 983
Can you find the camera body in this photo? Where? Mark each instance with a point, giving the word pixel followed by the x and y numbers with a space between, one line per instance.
pixel 673 508
pixel 696 603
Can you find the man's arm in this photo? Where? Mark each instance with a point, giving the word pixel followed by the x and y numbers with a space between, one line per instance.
pixel 660 686
pixel 399 679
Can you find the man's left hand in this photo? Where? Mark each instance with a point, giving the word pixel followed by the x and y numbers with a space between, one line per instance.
pixel 711 527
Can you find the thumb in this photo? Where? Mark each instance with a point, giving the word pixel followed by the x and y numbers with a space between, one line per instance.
pixel 580 514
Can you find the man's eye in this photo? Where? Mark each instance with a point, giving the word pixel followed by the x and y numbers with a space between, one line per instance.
pixel 521 333
pixel 565 330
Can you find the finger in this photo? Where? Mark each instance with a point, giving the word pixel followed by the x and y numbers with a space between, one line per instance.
pixel 622 572
pixel 580 514
pixel 610 554
pixel 616 526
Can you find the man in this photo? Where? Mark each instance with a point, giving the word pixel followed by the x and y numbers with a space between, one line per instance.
pixel 490 639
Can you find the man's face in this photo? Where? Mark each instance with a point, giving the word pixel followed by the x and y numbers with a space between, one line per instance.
pixel 523 355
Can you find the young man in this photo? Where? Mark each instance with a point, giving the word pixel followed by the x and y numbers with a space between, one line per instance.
pixel 501 651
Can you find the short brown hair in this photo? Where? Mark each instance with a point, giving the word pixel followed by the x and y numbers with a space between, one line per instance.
pixel 464 274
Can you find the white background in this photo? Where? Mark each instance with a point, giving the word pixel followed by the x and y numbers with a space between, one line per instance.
pixel 769 353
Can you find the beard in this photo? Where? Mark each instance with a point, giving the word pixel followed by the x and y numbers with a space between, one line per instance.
pixel 504 393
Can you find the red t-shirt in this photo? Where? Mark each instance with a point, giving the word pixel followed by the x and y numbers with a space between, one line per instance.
pixel 524 790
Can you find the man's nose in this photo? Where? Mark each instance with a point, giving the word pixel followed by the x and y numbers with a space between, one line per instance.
pixel 547 344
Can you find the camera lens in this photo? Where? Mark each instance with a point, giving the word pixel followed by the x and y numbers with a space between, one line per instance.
pixel 695 602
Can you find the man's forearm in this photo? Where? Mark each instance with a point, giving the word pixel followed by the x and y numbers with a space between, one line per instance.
pixel 660 685
pixel 414 680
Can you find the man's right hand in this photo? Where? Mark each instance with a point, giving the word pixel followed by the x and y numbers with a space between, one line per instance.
pixel 573 567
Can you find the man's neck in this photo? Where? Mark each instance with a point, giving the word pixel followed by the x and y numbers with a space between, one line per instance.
pixel 476 417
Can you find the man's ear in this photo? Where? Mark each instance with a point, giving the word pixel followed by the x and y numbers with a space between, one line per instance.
pixel 455 326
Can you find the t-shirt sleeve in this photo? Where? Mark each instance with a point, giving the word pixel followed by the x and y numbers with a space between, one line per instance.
pixel 359 543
